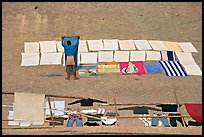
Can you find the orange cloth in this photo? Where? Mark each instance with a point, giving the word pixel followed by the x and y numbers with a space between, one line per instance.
pixel 70 60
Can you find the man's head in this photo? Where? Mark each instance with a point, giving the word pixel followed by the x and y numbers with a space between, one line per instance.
pixel 69 42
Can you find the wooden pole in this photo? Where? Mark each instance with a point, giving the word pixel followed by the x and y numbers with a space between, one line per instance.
pixel 177 102
pixel 129 104
pixel 51 112
pixel 48 95
pixel 117 123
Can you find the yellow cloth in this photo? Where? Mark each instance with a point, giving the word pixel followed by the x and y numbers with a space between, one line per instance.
pixel 172 46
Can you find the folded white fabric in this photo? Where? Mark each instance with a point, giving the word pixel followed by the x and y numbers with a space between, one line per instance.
pixel 121 56
pixel 110 44
pixel 31 47
pixel 89 58
pixel 157 45
pixel 185 58
pixel 193 69
pixel 30 59
pixel 137 55
pixel 48 46
pixel 95 45
pixel 187 47
pixel 126 45
pixel 105 56
pixel 82 46
pixel 142 45
pixel 51 58
pixel 153 55
pixel 60 48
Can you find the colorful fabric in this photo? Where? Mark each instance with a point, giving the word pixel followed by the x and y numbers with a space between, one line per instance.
pixel 173 68
pixel 153 67
pixel 172 46
pixel 164 55
pixel 195 111
pixel 171 55
pixel 128 68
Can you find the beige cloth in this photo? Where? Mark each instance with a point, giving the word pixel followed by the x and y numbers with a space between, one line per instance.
pixel 70 60
pixel 29 107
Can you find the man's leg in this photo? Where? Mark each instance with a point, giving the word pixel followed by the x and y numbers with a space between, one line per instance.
pixel 74 70
pixel 68 72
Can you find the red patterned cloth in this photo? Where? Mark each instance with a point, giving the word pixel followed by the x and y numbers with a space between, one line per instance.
pixel 139 67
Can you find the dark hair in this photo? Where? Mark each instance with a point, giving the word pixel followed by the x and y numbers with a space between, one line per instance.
pixel 69 42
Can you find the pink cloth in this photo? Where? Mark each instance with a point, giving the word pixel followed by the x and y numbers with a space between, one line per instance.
pixel 164 55
pixel 139 65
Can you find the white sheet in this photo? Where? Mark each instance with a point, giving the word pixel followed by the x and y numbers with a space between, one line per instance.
pixel 142 45
pixel 126 45
pixel 153 55
pixel 82 46
pixel 157 45
pixel 60 48
pixel 48 46
pixel 60 105
pixel 89 58
pixel 95 45
pixel 30 59
pixel 185 58
pixel 187 47
pixel 105 56
pixel 193 70
pixel 51 58
pixel 121 56
pixel 137 55
pixel 110 44
pixel 31 47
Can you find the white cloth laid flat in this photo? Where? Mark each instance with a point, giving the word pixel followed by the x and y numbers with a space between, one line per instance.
pixel 153 55
pixel 95 45
pixel 137 55
pixel 29 107
pixel 60 48
pixel 185 58
pixel 89 58
pixel 82 46
pixel 59 108
pixel 110 44
pixel 157 45
pixel 30 59
pixel 142 45
pixel 88 111
pixel 187 47
pixel 126 45
pixel 105 56
pixel 121 56
pixel 11 117
pixel 31 47
pixel 193 70
pixel 108 121
pixel 48 46
pixel 51 58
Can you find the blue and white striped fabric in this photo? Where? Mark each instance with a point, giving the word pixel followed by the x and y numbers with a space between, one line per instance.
pixel 173 68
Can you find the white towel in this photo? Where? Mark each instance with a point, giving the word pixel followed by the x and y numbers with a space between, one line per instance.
pixel 142 45
pixel 153 55
pixel 185 58
pixel 105 56
pixel 95 45
pixel 157 45
pixel 30 59
pixel 51 58
pixel 193 70
pixel 110 44
pixel 121 56
pixel 137 55
pixel 48 46
pixel 82 46
pixel 187 47
pixel 31 47
pixel 89 58
pixel 126 45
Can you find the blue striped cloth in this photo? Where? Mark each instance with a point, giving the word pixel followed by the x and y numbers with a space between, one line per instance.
pixel 173 68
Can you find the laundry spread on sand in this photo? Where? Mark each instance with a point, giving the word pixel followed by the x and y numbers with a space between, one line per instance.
pixel 129 68
pixel 153 55
pixel 157 45
pixel 31 47
pixel 187 47
pixel 95 45
pixel 173 68
pixel 51 58
pixel 172 46
pixel 142 45
pixel 137 56
pixel 110 44
pixel 164 56
pixel 153 67
pixel 126 45
pixel 30 59
pixel 193 70
pixel 171 56
pixel 105 56
pixel 185 58
pixel 48 46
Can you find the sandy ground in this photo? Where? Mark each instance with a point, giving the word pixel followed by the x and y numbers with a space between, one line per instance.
pixel 181 22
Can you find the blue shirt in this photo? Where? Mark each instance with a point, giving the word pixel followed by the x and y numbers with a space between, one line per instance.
pixel 70 50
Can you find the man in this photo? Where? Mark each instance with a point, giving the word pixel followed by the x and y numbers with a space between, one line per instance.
pixel 70 48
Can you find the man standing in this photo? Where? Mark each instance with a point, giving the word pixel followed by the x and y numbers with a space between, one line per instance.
pixel 70 45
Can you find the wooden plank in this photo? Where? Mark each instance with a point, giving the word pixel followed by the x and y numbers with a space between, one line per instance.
pixel 51 112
